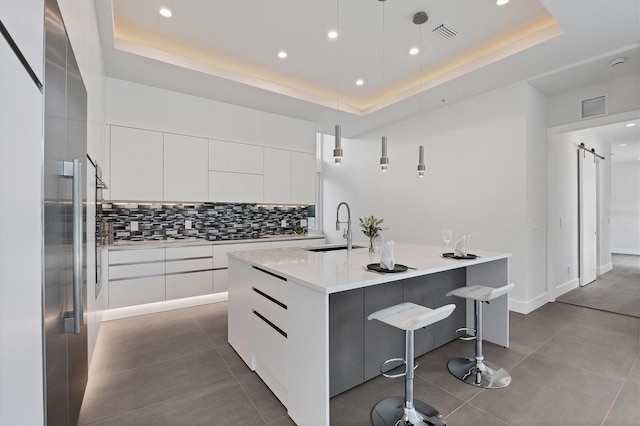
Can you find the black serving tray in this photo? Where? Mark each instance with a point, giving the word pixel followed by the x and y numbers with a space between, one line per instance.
pixel 453 256
pixel 397 268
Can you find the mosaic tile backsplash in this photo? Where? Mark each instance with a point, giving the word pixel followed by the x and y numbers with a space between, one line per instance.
pixel 210 221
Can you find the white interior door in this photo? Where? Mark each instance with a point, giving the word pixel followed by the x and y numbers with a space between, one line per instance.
pixel 588 210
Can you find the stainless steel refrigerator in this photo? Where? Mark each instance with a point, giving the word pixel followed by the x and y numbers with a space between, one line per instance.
pixel 65 276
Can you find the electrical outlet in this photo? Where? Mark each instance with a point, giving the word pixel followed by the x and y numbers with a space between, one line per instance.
pixel 303 222
pixel 187 224
pixel 568 270
pixel 283 223
pixel 133 225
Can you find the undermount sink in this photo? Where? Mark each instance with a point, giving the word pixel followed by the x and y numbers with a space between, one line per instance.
pixel 331 247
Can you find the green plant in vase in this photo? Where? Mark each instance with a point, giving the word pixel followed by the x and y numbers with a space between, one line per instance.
pixel 371 228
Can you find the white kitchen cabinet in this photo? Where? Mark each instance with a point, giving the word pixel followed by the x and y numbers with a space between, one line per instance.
pixel 235 157
pixel 189 284
pixel 24 21
pixel 277 176
pixel 136 277
pixel 189 271
pixel 303 178
pixel 235 187
pixel 136 164
pixel 185 168
pixel 239 310
pixel 136 291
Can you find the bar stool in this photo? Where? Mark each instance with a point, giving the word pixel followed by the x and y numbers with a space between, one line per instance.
pixel 477 371
pixel 407 411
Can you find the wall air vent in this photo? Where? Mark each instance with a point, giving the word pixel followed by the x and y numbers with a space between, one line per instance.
pixel 593 107
pixel 445 31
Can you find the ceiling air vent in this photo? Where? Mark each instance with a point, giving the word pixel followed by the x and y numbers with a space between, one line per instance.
pixel 445 31
pixel 593 107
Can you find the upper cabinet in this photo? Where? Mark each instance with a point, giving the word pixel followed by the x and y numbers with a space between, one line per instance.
pixel 136 164
pixel 24 21
pixel 277 176
pixel 198 150
pixel 185 168
pixel 303 178
pixel 235 157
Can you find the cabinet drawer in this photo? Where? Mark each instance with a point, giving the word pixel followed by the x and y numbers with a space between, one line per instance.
pixel 189 284
pixel 220 280
pixel 135 256
pixel 270 284
pixel 189 265
pixel 133 271
pixel 269 309
pixel 189 252
pixel 270 353
pixel 136 292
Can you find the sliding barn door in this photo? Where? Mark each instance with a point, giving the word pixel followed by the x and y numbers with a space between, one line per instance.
pixel 588 216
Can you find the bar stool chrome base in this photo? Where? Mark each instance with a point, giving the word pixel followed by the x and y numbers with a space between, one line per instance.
pixel 491 376
pixel 391 412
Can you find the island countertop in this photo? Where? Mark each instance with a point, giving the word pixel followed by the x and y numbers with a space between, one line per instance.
pixel 341 270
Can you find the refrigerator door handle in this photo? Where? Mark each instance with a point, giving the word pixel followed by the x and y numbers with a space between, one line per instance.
pixel 74 171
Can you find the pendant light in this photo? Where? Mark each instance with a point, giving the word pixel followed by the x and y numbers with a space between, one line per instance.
pixel 337 150
pixel 419 19
pixel 384 159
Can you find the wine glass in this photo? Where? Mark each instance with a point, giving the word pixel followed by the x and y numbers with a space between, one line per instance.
pixel 446 236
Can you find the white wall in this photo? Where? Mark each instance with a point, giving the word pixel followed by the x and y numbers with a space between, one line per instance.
pixel 80 21
pixel 622 96
pixel 21 335
pixel 625 207
pixel 482 175
pixel 563 213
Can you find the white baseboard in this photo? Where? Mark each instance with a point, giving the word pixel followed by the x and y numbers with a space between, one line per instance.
pixel 152 308
pixel 625 251
pixel 531 305
pixel 604 268
pixel 566 287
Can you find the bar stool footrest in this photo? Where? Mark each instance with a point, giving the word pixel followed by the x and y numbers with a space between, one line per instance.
pixel 397 371
pixel 390 412
pixel 466 333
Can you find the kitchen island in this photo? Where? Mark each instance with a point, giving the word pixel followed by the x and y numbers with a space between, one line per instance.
pixel 298 317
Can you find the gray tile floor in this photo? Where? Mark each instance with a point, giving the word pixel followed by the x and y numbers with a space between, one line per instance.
pixel 615 291
pixel 570 366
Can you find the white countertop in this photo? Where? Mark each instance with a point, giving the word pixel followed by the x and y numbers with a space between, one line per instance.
pixel 340 270
pixel 126 245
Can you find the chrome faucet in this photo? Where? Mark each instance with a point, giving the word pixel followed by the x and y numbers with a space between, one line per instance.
pixel 347 232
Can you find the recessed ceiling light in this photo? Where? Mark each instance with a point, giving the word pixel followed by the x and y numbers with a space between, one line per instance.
pixel 414 51
pixel 332 34
pixel 282 54
pixel 623 144
pixel 165 12
pixel 359 82
pixel 631 124
pixel 502 2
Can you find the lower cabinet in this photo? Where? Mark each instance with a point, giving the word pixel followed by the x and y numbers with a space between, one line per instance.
pixel 137 276
pixel 136 291
pixel 188 284
pixel 258 323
